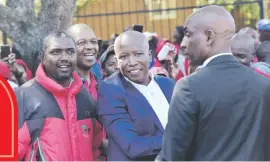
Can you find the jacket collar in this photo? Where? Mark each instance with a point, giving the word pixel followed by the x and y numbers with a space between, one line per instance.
pixel 209 60
pixel 55 88
pixel 222 59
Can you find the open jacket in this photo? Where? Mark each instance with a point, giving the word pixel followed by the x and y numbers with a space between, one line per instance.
pixel 56 123
pixel 134 131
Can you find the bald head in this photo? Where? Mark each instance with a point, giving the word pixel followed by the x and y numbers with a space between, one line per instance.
pixel 79 29
pixel 131 39
pixel 208 32
pixel 215 18
pixel 244 41
pixel 243 48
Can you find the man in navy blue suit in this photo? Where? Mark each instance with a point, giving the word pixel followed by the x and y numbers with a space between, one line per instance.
pixel 134 104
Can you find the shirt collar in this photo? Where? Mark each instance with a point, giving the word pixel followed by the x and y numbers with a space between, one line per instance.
pixel 207 61
pixel 141 85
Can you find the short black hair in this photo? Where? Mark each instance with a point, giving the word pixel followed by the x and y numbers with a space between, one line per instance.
pixel 54 34
pixel 260 51
pixel 106 58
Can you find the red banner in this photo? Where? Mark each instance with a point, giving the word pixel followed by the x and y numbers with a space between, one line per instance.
pixel 8 122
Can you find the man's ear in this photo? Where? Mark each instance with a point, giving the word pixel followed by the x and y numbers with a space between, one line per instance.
pixel 210 36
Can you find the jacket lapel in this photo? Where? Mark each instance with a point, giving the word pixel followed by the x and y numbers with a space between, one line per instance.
pixel 140 102
pixel 166 91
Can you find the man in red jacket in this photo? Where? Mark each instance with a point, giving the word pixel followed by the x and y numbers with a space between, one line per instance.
pixel 56 112
pixel 87 48
pixel 243 49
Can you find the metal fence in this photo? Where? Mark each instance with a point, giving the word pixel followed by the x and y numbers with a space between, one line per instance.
pixel 107 17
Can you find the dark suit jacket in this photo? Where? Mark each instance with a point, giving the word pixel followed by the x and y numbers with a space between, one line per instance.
pixel 133 129
pixel 220 112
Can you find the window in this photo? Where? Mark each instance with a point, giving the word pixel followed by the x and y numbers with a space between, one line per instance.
pixel 161 4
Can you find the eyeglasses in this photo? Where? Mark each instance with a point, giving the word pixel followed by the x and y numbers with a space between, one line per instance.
pixel 84 42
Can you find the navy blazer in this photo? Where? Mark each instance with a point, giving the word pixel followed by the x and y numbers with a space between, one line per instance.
pixel 133 129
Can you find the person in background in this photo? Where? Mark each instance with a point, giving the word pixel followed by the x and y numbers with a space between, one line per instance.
pixel 243 49
pixel 178 36
pixel 170 63
pixel 152 41
pixel 18 70
pixel 220 112
pixel 56 112
pixel 255 35
pixel 108 62
pixel 5 72
pixel 20 62
pixel 264 30
pixel 133 104
pixel 112 39
pixel 87 50
pixel 182 62
pixel 263 55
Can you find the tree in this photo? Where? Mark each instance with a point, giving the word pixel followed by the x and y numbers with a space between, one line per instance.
pixel 26 24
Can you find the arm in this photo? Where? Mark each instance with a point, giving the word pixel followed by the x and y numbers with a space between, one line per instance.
pixel 119 126
pixel 181 127
pixel 23 132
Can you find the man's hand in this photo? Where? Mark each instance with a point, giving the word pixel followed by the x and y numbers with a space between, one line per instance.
pixel 13 66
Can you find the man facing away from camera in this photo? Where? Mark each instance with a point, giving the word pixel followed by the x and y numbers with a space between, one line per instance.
pixel 217 113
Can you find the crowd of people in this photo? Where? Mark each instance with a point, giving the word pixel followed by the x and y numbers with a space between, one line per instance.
pixel 205 95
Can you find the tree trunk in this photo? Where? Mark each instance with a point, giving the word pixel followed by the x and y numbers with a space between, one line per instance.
pixel 26 30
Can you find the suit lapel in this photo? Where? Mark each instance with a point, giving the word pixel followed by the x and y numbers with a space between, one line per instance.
pixel 166 91
pixel 140 102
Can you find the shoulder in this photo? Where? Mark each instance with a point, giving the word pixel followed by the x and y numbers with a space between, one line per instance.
pixel 28 87
pixel 165 80
pixel 111 83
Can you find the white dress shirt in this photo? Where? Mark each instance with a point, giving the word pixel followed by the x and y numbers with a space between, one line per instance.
pixel 206 62
pixel 155 98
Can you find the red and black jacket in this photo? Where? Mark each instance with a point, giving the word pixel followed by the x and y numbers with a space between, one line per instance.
pixel 56 123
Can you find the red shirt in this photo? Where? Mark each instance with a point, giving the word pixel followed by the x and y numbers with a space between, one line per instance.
pixel 92 87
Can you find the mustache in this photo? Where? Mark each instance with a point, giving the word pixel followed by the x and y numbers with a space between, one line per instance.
pixel 64 63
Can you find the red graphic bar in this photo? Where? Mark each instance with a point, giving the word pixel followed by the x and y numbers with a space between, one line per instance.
pixel 8 122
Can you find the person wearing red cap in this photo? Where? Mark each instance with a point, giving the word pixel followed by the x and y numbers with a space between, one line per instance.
pixel 5 72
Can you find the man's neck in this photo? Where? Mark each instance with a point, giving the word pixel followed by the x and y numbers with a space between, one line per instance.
pixel 85 74
pixel 147 80
pixel 66 83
